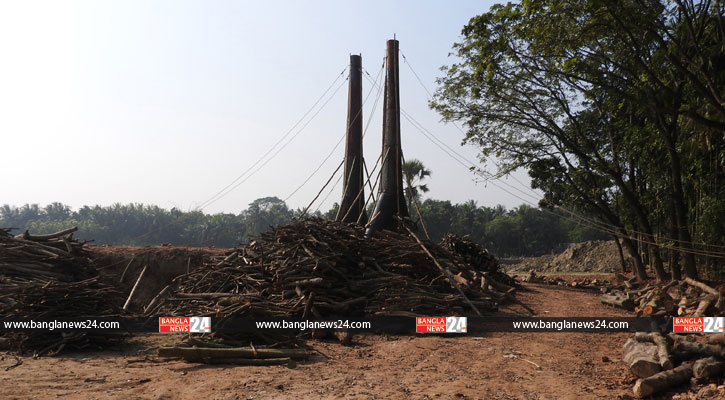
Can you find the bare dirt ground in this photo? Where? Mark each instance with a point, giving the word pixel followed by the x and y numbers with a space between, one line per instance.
pixel 495 366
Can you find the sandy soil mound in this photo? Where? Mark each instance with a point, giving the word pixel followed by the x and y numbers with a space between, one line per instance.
pixel 594 256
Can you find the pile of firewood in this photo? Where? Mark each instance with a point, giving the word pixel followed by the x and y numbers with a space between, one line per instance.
pixel 475 255
pixel 677 298
pixel 600 285
pixel 47 277
pixel 653 358
pixel 315 268
pixel 42 257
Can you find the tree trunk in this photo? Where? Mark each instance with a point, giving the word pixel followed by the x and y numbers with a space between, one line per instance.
pixel 702 286
pixel 639 269
pixel 644 250
pixel 686 350
pixel 618 300
pixel 657 264
pixel 662 381
pixel 706 368
pixel 675 270
pixel 641 358
pixel 651 247
pixel 663 350
pixel 621 254
pixel 677 195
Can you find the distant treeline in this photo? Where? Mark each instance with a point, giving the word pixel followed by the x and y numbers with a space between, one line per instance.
pixel 521 231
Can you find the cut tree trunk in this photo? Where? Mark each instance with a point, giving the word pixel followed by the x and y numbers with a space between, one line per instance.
pixel 720 305
pixel 706 368
pixel 662 381
pixel 687 350
pixel 704 304
pixel 675 293
pixel 663 348
pixel 618 299
pixel 703 287
pixel 641 358
pixel 44 238
pixel 716 338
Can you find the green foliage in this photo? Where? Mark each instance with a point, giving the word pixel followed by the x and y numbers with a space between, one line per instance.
pixel 615 108
pixel 521 231
pixel 138 224
pixel 332 213
pixel 413 172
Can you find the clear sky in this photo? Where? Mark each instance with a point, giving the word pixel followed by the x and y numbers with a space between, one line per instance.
pixel 167 102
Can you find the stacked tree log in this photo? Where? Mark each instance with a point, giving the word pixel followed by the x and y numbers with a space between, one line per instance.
pixel 598 285
pixel 686 298
pixel 477 256
pixel 315 268
pixel 653 358
pixel 47 277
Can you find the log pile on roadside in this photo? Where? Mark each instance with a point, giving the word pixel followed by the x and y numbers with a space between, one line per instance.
pixel 662 362
pixel 48 277
pixel 478 257
pixel 321 269
pixel 598 285
pixel 686 298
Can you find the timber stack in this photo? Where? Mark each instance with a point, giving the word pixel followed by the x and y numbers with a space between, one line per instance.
pixel 597 285
pixel 478 257
pixel 653 358
pixel 685 298
pixel 50 276
pixel 315 268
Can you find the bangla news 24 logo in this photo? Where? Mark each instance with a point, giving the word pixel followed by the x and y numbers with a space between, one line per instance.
pixel 185 324
pixel 698 324
pixel 441 324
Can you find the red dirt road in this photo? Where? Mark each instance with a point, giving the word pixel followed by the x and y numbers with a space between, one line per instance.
pixel 496 366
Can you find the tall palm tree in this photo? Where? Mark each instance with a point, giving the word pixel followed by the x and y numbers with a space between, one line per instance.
pixel 413 172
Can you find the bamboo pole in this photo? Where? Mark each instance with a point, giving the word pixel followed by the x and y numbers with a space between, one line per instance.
pixel 133 290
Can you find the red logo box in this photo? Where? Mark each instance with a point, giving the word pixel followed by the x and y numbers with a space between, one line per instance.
pixel 174 324
pixel 430 324
pixel 688 324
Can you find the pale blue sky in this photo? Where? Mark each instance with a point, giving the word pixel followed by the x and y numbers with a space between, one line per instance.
pixel 166 102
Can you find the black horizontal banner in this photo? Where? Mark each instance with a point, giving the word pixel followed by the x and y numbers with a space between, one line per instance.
pixel 389 325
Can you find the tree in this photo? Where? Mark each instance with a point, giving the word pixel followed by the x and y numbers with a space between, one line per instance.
pixel 264 213
pixel 413 172
pixel 438 217
pixel 332 212
pixel 522 231
pixel 589 96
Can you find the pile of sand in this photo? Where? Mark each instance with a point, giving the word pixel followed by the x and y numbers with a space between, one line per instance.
pixel 594 256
